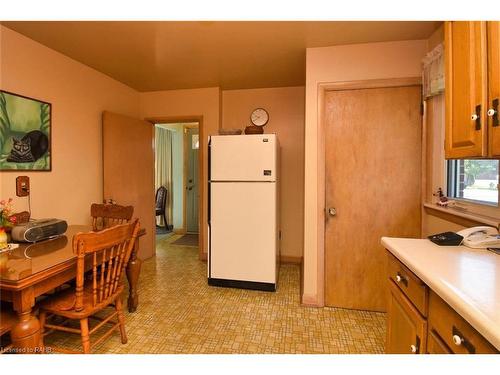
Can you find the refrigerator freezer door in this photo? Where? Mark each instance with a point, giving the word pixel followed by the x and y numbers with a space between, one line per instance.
pixel 243 231
pixel 243 157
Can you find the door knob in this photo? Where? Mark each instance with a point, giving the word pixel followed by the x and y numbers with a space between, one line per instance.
pixel 332 211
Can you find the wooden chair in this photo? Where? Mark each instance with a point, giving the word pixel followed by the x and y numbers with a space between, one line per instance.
pixel 8 319
pixel 107 215
pixel 107 253
pixel 161 203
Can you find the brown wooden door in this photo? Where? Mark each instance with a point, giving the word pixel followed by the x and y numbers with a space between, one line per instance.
pixel 128 158
pixel 465 93
pixel 373 163
pixel 406 329
pixel 494 86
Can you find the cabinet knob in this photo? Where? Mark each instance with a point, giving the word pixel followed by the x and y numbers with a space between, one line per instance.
pixel 413 348
pixel 491 112
pixel 474 117
pixel 457 340
pixel 401 279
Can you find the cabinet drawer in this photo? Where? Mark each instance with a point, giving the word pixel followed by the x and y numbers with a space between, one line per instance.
pixel 416 291
pixel 456 333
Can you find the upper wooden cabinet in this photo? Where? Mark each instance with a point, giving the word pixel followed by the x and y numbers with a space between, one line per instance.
pixel 465 48
pixel 472 85
pixel 494 87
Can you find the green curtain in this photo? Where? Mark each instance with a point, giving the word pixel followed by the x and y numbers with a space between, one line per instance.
pixel 163 168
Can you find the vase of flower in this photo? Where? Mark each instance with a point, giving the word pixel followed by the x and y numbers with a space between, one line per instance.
pixel 7 220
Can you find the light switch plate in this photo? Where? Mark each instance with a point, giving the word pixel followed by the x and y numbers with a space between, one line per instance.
pixel 22 186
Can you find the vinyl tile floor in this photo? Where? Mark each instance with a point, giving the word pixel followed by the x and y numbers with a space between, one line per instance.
pixel 179 313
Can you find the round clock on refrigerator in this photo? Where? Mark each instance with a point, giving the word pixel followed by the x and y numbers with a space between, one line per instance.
pixel 259 117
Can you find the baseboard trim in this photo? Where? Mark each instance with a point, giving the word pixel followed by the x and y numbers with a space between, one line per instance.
pixel 310 300
pixel 287 259
pixel 179 231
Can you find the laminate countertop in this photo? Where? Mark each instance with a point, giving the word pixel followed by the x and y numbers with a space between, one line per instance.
pixel 467 279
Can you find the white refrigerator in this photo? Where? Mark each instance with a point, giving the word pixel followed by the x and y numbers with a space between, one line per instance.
pixel 243 219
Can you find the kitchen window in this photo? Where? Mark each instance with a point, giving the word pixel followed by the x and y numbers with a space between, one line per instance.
pixel 473 180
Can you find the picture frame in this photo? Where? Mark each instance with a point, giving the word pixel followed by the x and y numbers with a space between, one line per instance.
pixel 25 133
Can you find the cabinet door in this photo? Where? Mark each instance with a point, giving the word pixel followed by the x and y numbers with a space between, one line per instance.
pixel 406 329
pixel 465 45
pixel 494 87
pixel 435 344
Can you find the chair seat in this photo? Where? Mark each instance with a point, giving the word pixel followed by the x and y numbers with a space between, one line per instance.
pixel 8 319
pixel 63 303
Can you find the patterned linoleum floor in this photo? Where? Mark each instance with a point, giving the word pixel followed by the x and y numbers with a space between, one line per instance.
pixel 179 313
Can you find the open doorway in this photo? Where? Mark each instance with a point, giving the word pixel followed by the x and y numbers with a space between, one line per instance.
pixel 177 175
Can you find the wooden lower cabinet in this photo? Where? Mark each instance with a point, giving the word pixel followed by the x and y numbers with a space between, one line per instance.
pixel 435 345
pixel 406 328
pixel 434 328
pixel 453 331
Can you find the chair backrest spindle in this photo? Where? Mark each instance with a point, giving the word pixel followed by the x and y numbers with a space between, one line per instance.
pixel 108 252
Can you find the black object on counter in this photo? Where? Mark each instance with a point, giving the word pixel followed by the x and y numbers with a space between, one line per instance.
pixel 446 239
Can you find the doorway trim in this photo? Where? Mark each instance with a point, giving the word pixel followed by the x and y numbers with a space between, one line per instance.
pixel 319 299
pixel 201 176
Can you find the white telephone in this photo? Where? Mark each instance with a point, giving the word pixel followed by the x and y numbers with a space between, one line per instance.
pixel 480 237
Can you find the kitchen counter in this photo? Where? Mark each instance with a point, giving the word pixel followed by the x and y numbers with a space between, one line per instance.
pixel 467 279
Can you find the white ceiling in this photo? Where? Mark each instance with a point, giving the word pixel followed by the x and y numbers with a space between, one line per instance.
pixel 149 56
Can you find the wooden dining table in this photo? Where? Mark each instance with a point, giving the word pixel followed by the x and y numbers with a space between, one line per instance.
pixel 34 269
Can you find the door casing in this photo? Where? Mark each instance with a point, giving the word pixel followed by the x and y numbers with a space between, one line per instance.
pixel 201 176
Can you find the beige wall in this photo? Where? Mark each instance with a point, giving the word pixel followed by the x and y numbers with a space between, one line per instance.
pixel 185 103
pixel 433 224
pixel 78 95
pixel 436 38
pixel 286 118
pixel 328 65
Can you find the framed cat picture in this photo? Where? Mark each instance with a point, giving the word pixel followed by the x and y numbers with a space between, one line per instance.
pixel 25 133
